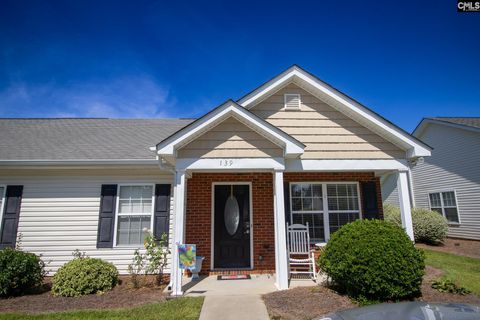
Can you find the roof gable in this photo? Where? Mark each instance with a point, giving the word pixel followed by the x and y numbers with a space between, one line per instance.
pixel 464 123
pixel 167 148
pixel 341 102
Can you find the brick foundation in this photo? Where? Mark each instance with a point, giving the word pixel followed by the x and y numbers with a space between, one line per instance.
pixel 199 211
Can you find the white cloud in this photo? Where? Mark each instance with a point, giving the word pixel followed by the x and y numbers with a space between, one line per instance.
pixel 124 97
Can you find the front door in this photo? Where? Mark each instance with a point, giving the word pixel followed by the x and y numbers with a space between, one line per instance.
pixel 231 226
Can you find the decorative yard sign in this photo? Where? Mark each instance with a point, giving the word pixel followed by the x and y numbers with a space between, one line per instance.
pixel 187 254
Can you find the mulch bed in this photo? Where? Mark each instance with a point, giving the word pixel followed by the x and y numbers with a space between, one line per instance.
pixel 470 248
pixel 305 303
pixel 312 302
pixel 122 296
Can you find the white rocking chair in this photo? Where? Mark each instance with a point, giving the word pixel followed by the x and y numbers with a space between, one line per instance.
pixel 301 259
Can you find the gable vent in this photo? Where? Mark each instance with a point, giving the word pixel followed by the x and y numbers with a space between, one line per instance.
pixel 292 101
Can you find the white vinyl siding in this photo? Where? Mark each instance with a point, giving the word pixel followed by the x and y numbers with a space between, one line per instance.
pixel 454 165
pixel 60 210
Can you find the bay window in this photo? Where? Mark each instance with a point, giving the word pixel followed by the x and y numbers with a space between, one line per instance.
pixel 326 206
pixel 134 214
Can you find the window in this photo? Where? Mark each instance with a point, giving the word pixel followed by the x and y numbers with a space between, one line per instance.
pixel 445 203
pixel 135 210
pixel 307 206
pixel 292 101
pixel 333 204
pixel 342 205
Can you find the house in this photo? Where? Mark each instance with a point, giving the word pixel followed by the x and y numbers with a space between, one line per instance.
pixel 293 150
pixel 449 180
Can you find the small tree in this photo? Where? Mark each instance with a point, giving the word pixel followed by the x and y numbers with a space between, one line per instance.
pixel 136 268
pixel 156 255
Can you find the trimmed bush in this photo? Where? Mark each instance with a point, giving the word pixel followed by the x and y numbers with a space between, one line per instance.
pixel 19 271
pixel 374 260
pixel 428 226
pixel 84 275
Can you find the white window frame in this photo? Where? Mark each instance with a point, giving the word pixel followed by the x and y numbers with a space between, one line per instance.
pixel 298 95
pixel 117 199
pixel 325 211
pixel 2 206
pixel 443 206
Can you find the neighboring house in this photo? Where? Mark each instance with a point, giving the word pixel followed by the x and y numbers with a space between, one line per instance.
pixel 449 180
pixel 294 150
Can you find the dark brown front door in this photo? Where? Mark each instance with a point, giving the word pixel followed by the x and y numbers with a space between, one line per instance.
pixel 231 226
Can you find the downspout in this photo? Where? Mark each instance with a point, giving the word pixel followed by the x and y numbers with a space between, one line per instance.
pixel 162 164
pixel 410 187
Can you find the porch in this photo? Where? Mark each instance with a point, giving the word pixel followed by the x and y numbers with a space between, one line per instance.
pixel 267 200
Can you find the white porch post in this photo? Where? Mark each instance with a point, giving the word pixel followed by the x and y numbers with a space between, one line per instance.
pixel 281 265
pixel 178 230
pixel 404 201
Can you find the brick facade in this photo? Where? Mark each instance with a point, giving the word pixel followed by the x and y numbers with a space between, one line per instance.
pixel 338 176
pixel 199 215
pixel 199 209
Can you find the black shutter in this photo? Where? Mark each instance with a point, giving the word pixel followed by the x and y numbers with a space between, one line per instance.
pixel 11 214
pixel 286 198
pixel 369 200
pixel 162 210
pixel 106 219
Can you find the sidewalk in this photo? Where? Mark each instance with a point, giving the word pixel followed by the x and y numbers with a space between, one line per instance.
pixel 232 299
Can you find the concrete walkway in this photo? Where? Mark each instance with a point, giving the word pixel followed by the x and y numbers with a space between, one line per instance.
pixel 233 299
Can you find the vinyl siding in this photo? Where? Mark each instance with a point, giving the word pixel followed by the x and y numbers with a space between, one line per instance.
pixel 327 133
pixel 389 189
pixel 454 165
pixel 232 139
pixel 60 209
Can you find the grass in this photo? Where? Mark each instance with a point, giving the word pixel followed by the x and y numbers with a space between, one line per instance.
pixel 182 308
pixel 464 271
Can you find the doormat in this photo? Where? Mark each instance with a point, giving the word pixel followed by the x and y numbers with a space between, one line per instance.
pixel 234 277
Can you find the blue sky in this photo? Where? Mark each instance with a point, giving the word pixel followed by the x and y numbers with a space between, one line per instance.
pixel 403 59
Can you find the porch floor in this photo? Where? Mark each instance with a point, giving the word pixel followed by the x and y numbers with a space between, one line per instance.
pixel 257 285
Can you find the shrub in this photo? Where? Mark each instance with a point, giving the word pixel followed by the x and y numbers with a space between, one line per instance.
pixel 136 268
pixel 19 271
pixel 84 275
pixel 374 260
pixel 428 226
pixel 449 286
pixel 156 255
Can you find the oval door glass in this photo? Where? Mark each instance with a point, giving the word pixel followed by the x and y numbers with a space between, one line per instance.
pixel 232 215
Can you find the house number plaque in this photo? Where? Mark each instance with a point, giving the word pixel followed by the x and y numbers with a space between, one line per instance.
pixel 226 162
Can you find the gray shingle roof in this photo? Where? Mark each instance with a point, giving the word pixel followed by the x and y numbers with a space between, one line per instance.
pixel 469 122
pixel 83 139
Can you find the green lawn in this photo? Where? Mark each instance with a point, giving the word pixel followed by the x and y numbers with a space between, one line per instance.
pixel 182 308
pixel 465 271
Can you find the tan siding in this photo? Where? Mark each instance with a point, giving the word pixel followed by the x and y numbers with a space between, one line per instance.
pixel 59 211
pixel 327 133
pixel 231 139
